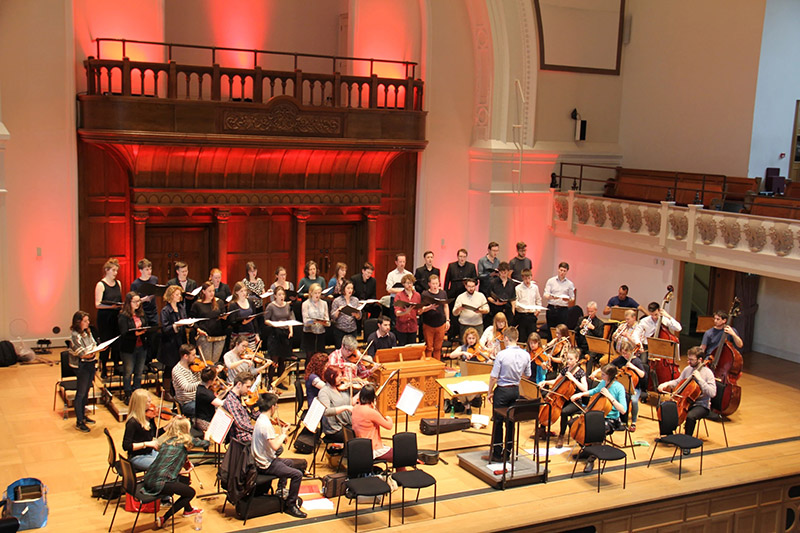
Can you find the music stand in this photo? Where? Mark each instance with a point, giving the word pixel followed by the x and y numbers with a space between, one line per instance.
pixel 663 348
pixel 626 381
pixel 618 313
pixel 603 347
pixel 529 390
pixel 704 323
pixel 474 368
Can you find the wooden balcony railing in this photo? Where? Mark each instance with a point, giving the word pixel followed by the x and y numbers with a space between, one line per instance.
pixel 212 82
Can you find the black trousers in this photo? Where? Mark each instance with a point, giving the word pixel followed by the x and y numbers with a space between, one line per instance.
pixel 185 493
pixel 291 469
pixel 503 397
pixel 567 411
pixel 526 324
pixel 556 315
pixel 85 374
pixel 696 413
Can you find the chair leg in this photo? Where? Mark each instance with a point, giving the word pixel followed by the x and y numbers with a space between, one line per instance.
pixel 109 499
pixel 139 510
pixel 390 508
pixel 102 487
pixel 403 506
pixel 625 474
pixel 724 433
pixel 247 509
pixel 356 525
pixel 55 394
pixel 701 459
pixel 434 500
pixel 599 469
pixel 680 464
pixel 338 501
pixel 115 512
pixel 652 454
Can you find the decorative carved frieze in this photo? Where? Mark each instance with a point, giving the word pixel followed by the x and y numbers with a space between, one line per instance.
pixel 562 208
pixel 615 215
pixel 652 219
pixel 756 235
pixel 679 224
pixel 782 238
pixel 598 213
pixel 633 215
pixel 707 228
pixel 731 232
pixel 282 119
pixel 255 198
pixel 582 210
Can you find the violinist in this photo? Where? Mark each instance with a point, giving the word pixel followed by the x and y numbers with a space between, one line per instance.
pixel 240 359
pixel 631 330
pixel 712 336
pixel 313 375
pixel 573 372
pixel 704 378
pixel 185 381
pixel 649 323
pixel 210 333
pixel 493 337
pixel 509 367
pixel 335 397
pixel 435 318
pixel 528 297
pixel 242 428
pixel 541 364
pixel 368 421
pixel 139 440
pixel 628 361
pixel 266 443
pixel 472 349
pixel 615 393
pixel 382 337
pixel 345 359
pixel 557 348
pixel 206 399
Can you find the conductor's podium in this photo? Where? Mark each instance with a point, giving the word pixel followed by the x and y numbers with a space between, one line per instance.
pixel 414 370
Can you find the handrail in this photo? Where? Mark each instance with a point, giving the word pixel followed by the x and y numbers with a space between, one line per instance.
pixel 256 52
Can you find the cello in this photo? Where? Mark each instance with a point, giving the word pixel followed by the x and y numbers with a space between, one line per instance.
pixel 685 393
pixel 597 403
pixel 556 398
pixel 726 362
pixel 663 369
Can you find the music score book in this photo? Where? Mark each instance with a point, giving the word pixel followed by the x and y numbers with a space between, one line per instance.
pixel 410 399
pixel 102 346
pixel 314 415
pixel 219 426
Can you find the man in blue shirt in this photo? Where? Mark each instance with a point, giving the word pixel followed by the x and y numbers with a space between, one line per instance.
pixel 622 300
pixel 509 367
pixel 712 336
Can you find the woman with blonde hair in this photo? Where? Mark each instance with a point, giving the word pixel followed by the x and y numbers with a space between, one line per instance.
pixel 163 476
pixel 139 440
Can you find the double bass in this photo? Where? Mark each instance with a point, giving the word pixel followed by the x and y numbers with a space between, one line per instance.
pixel 726 362
pixel 663 369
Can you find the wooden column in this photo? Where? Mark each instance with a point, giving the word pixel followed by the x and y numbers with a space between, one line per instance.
pixel 139 223
pixel 302 216
pixel 371 214
pixel 222 216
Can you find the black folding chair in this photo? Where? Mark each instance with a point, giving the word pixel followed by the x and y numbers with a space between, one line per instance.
pixel 668 425
pixel 404 455
pixel 360 481
pixel 595 435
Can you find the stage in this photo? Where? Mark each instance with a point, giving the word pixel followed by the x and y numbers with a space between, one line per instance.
pixel 763 445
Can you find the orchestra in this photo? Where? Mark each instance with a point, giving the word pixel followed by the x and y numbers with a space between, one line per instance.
pixel 213 322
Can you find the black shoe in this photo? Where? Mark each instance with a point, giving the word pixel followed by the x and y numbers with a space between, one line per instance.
pixel 589 467
pixel 87 420
pixel 299 502
pixel 295 511
pixel 281 386
pixel 82 427
pixel 687 451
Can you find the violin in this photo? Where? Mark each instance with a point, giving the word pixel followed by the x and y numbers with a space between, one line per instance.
pixel 540 358
pixel 250 399
pixel 477 353
pixel 152 412
pixel 199 363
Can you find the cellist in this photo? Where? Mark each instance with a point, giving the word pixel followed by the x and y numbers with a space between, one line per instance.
pixel 704 378
pixel 615 393
pixel 712 336
pixel 572 371
pixel 629 362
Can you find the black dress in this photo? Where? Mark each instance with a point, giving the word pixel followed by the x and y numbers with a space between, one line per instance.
pixel 107 322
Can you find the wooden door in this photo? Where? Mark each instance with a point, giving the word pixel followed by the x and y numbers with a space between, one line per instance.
pixel 328 244
pixel 164 245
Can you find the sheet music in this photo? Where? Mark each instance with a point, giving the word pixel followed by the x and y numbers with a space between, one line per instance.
pixel 409 400
pixel 219 426
pixel 328 290
pixel 101 347
pixel 189 321
pixel 388 380
pixel 530 307
pixel 284 323
pixel 469 387
pixel 314 415
pixel 229 298
pixel 266 294
pixel 368 301
pixel 196 291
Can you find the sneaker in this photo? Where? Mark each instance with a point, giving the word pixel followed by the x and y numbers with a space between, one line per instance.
pixel 589 467
pixel 632 428
pixel 87 420
pixel 560 441
pixel 82 427
pixel 295 511
pixel 193 512
pixel 159 522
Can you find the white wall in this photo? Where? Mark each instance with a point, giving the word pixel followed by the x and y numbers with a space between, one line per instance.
pixel 598 271
pixel 776 331
pixel 40 282
pixel 778 88
pixel 688 84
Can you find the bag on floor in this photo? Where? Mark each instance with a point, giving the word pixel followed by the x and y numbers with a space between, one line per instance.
pixel 132 505
pixel 26 500
pixel 304 443
pixel 333 485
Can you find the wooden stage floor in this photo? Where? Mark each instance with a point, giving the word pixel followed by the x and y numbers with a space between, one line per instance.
pixel 763 436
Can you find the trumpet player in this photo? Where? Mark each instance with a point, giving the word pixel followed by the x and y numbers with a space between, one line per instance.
pixel 590 325
pixel 631 330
